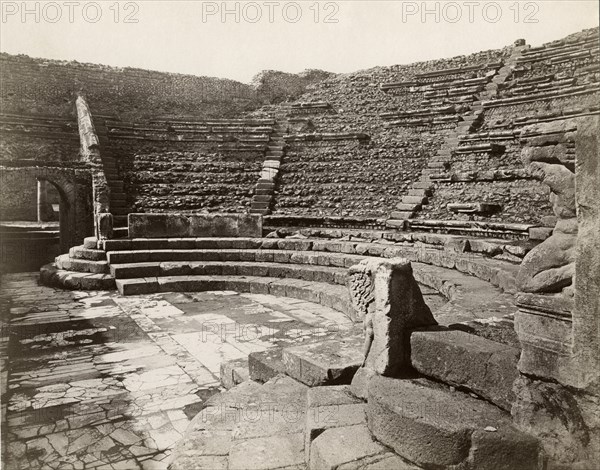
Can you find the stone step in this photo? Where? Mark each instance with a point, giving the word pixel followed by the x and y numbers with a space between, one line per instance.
pixel 403 207
pixel 329 253
pixel 414 200
pixel 420 192
pixel 332 362
pixel 261 198
pixel 326 274
pixel 90 243
pixel 92 254
pixel 438 165
pixel 265 365
pixel 263 192
pixel 260 211
pixel 434 427
pixel 422 185
pixel 398 224
pixel 120 232
pixel 267 256
pixel 335 297
pixel 52 276
pixel 67 263
pixel 260 205
pixel 463 360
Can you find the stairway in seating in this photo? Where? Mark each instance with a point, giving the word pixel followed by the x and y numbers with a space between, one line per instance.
pixel 421 190
pixel 264 192
pixel 118 198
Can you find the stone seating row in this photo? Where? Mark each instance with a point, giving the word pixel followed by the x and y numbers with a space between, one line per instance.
pixel 514 124
pixel 191 137
pixel 571 51
pixel 414 113
pixel 553 94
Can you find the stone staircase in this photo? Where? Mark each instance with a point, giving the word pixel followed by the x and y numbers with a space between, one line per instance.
pixel 264 192
pixel 470 121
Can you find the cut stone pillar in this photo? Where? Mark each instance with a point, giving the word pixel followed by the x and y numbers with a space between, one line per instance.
pixel 397 309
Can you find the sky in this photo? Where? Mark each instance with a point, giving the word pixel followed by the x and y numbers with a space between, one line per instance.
pixel 238 39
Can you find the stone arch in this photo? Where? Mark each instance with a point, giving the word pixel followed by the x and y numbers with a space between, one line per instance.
pixel 76 209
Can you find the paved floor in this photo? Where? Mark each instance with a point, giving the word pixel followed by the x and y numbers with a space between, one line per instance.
pixel 96 380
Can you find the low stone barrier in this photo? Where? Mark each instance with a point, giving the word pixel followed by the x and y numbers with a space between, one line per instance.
pixel 194 225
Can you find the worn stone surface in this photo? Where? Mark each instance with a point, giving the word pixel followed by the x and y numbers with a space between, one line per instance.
pixel 111 381
pixel 200 225
pixel 433 427
pixel 399 308
pixel 324 363
pixel 467 361
pixel 565 419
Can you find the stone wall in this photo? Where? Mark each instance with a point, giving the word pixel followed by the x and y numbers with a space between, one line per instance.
pixel 49 87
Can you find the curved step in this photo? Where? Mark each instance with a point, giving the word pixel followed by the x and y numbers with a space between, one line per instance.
pixel 67 263
pixel 84 253
pixel 50 275
pixel 326 274
pixel 498 273
pixel 328 295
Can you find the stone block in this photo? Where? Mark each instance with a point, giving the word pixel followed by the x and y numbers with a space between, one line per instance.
pixel 196 225
pixel 157 225
pixel 265 365
pixel 331 362
pixel 540 233
pixel 463 360
pixel 233 372
pixel 137 286
pixel 337 446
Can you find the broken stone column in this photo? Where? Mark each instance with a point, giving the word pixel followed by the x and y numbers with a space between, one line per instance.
pixel 558 389
pixel 387 297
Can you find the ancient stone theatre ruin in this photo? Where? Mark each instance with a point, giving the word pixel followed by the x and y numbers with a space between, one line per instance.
pixel 397 268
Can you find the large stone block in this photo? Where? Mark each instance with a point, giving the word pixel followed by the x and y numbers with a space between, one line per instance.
pixel 195 225
pixel 398 309
pixel 326 363
pixel 435 428
pixel 469 361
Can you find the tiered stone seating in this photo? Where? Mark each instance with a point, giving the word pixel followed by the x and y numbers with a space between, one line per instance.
pixel 188 165
pixel 36 137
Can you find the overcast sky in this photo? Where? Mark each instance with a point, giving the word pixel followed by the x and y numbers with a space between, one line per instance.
pixel 239 39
